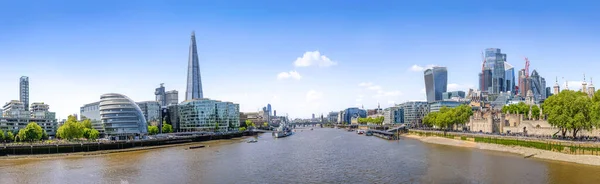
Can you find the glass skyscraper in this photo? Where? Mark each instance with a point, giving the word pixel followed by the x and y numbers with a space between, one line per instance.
pixel 509 75
pixel 494 60
pixel 194 82
pixel 436 83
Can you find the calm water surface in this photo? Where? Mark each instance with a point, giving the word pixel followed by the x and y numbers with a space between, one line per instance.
pixel 318 156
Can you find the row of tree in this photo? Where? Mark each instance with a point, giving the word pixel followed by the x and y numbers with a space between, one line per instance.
pixel 447 117
pixel 167 128
pixel 522 108
pixel 73 129
pixel 370 120
pixel 573 111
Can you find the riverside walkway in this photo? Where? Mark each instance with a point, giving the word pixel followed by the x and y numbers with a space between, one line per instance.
pixel 73 147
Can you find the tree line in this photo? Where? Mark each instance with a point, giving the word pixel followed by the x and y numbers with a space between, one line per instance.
pixel 522 108
pixel 447 117
pixel 573 111
pixel 371 120
pixel 167 128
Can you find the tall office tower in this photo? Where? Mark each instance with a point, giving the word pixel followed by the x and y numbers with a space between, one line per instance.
pixel 161 95
pixel 24 91
pixel 436 83
pixel 485 80
pixel 269 109
pixel 194 81
pixel 172 97
pixel 509 78
pixel 523 84
pixel 494 60
pixel 537 85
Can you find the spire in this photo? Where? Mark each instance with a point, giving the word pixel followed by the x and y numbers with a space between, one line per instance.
pixel 378 106
pixel 194 81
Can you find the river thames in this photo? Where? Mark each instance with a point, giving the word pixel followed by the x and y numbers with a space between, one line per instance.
pixel 323 155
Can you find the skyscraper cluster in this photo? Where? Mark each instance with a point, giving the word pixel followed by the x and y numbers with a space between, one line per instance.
pixel 498 76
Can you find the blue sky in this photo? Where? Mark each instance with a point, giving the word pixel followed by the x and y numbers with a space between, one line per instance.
pixel 74 51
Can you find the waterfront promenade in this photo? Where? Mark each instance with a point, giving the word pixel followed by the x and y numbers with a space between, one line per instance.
pixel 581 152
pixel 74 147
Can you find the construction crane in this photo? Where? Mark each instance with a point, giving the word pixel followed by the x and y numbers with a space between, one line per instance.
pixel 526 68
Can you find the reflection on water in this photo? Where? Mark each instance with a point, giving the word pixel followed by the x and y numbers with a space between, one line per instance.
pixel 319 156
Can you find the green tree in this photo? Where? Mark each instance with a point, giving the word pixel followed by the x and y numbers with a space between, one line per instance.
pixel 90 134
pixel 9 136
pixel 535 112
pixel 572 111
pixel 242 129
pixel 265 124
pixel 44 136
pixel 87 123
pixel 2 136
pixel 152 130
pixel 167 128
pixel 32 132
pixel 71 129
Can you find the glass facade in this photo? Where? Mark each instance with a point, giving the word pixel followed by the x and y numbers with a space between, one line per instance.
pixel 121 116
pixel 495 61
pixel 92 111
pixel 194 82
pixel 414 112
pixel 151 111
pixel 436 106
pixel 453 94
pixel 24 91
pixel 208 115
pixel 436 83
pixel 349 113
pixel 509 81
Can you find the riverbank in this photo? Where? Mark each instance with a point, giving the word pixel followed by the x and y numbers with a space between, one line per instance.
pixel 526 152
pixel 135 149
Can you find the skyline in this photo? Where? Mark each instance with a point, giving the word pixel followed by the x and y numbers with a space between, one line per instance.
pixel 301 61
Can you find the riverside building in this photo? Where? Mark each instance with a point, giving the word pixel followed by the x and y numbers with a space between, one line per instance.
pixel 208 115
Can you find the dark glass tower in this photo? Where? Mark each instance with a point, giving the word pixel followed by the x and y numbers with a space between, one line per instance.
pixel 194 82
pixel 436 83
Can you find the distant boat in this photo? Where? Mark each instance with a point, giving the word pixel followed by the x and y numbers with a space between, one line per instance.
pixel 311 128
pixel 252 141
pixel 369 133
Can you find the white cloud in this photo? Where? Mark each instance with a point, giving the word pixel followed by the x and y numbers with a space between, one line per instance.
pixel 291 74
pixel 417 68
pixel 359 98
pixel 391 102
pixel 313 58
pixel 380 92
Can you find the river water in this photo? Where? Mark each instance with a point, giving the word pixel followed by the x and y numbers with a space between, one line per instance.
pixel 323 155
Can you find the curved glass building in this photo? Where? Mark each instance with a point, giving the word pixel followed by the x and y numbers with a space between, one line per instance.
pixel 121 117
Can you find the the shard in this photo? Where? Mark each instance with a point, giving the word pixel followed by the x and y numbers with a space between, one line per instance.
pixel 194 82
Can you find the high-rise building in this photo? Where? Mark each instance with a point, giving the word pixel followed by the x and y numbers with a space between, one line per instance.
pixel 494 60
pixel 537 85
pixel 16 117
pixel 270 110
pixel 161 95
pixel 194 81
pixel 509 75
pixel 121 117
pixel 414 112
pixel 485 80
pixel 353 112
pixel 208 115
pixel 151 111
pixel 523 84
pixel 24 91
pixel 172 97
pixel 91 111
pixel 453 94
pixel 436 83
